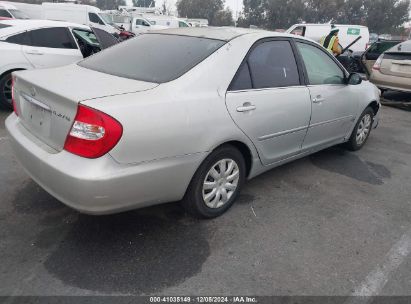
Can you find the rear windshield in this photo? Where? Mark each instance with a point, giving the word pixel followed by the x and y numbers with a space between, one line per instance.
pixel 153 57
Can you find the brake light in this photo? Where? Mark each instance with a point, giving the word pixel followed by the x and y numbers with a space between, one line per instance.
pixel 93 133
pixel 377 64
pixel 13 80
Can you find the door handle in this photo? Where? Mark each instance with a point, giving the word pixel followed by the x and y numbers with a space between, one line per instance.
pixel 318 99
pixel 247 107
pixel 34 52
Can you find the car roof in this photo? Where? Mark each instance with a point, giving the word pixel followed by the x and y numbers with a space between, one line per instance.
pixel 17 25
pixel 218 33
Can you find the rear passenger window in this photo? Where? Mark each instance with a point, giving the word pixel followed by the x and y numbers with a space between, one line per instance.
pixel 22 38
pixel 272 64
pixel 56 37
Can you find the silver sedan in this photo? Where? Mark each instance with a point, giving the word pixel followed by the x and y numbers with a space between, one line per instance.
pixel 183 115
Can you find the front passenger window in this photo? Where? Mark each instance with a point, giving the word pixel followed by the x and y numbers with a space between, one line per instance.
pixel 321 69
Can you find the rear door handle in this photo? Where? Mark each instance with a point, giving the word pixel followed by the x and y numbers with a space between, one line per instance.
pixel 247 108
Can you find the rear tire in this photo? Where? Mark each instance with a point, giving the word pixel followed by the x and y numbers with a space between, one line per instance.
pixel 361 131
pixel 5 92
pixel 216 184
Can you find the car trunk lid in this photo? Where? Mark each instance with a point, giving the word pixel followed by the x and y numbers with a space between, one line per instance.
pixel 397 64
pixel 47 100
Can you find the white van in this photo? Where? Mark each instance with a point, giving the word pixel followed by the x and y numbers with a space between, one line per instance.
pixel 348 33
pixel 167 21
pixel 11 11
pixel 78 13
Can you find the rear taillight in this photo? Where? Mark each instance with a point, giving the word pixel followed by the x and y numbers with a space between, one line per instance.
pixel 93 133
pixel 377 64
pixel 13 101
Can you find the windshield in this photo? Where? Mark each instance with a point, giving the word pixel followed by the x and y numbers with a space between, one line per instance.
pixel 18 14
pixel 153 57
pixel 107 19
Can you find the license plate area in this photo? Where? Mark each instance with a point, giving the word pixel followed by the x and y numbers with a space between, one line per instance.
pixel 36 115
pixel 402 68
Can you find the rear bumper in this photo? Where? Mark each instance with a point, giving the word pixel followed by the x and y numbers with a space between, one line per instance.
pixel 389 82
pixel 101 186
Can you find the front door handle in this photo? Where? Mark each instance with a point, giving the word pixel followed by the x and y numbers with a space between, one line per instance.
pixel 318 99
pixel 247 107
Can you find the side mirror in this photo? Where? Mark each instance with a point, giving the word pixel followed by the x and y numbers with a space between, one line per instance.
pixel 354 79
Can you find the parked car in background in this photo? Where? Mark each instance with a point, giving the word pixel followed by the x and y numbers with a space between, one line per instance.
pixel 362 62
pixel 392 70
pixel 130 127
pixel 32 44
pixel 370 56
pixel 10 11
pixel 348 33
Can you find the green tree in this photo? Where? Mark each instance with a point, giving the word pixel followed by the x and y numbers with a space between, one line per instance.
pixel 144 3
pixel 281 14
pixel 254 13
pixel 224 18
pixel 386 16
pixel 200 9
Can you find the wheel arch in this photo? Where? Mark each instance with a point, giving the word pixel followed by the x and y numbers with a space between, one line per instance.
pixel 375 106
pixel 11 71
pixel 244 150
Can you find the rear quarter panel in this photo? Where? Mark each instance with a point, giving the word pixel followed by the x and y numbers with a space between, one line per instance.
pixel 12 58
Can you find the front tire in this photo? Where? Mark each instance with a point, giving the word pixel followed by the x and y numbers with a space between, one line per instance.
pixel 5 92
pixel 216 184
pixel 361 131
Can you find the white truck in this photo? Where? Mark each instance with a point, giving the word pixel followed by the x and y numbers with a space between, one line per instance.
pixel 132 22
pixel 167 21
pixel 348 33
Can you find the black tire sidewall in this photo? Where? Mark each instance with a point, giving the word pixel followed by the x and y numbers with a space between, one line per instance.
pixel 3 100
pixel 194 201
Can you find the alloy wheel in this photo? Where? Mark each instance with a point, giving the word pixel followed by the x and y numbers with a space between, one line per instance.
pixel 363 129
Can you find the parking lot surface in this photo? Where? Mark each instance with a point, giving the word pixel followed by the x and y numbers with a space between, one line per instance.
pixel 334 223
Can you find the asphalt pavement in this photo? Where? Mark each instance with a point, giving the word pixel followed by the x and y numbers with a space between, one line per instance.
pixel 334 223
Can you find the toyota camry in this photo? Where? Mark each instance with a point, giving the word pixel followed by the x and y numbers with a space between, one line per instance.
pixel 183 115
